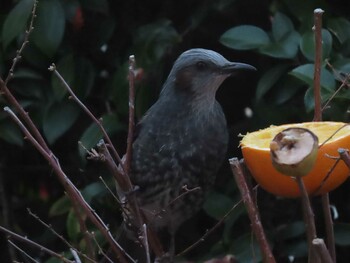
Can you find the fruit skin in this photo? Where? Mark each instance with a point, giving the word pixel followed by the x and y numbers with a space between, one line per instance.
pixel 301 167
pixel 259 163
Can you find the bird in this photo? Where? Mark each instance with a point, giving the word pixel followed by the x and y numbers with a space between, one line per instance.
pixel 182 140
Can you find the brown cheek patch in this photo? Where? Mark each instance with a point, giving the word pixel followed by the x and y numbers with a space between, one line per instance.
pixel 184 79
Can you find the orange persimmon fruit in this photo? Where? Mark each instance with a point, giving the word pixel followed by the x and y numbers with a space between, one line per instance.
pixel 331 136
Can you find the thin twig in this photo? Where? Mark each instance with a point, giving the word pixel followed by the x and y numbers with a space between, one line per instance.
pixel 83 227
pixel 100 249
pixel 186 192
pixel 88 112
pixel 318 60
pixel 130 138
pixel 343 84
pixel 34 244
pixel 24 43
pixel 132 202
pixel 104 155
pixel 321 249
pixel 318 117
pixel 324 180
pixel 49 227
pixel 110 190
pixel 344 155
pixel 252 210
pixel 145 235
pixel 121 177
pixel 6 211
pixel 333 134
pixel 7 93
pixel 329 229
pixel 70 188
pixel 22 251
pixel 75 255
pixel 31 126
pixel 338 75
pixel 309 219
pixel 211 230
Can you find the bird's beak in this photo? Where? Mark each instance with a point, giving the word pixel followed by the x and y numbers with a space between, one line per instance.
pixel 235 66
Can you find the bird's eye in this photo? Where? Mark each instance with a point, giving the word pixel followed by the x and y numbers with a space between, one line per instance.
pixel 201 65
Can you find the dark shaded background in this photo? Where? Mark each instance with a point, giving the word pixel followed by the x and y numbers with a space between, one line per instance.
pixel 27 181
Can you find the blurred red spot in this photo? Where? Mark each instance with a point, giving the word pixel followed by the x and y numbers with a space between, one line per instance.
pixel 78 19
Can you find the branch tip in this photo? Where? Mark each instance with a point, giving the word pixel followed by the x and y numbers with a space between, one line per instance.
pixel 318 11
pixel 52 67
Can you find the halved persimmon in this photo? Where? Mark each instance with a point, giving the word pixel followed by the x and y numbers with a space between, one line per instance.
pixel 331 135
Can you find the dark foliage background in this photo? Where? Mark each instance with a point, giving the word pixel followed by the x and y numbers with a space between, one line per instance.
pixel 90 42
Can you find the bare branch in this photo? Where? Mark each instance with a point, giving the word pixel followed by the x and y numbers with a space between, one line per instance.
pixel 145 235
pixel 131 113
pixel 25 42
pixel 71 190
pixel 321 249
pixel 318 60
pixel 219 223
pixel 100 249
pixel 252 210
pixel 75 255
pixel 309 219
pixel 88 112
pixel 22 251
pixel 344 155
pixel 329 231
pixel 34 244
pixel 49 227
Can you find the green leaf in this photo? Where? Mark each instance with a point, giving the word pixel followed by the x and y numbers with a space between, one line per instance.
pixel 100 6
pixel 342 65
pixel 307 45
pixel 269 79
pixel 60 207
pixel 35 57
pixel 58 119
pixel 93 190
pixel 66 68
pixel 153 40
pixel 85 74
pixel 118 89
pixel 73 227
pixel 16 21
pixel 296 248
pixel 102 31
pixel 246 249
pixel 49 26
pixel 10 133
pixel 93 135
pixel 28 73
pixel 217 204
pixel 342 234
pixel 302 9
pixel 281 26
pixel 245 37
pixel 292 230
pixel 309 100
pixel 29 87
pixel 306 74
pixel 288 87
pixel 286 48
pixel 340 27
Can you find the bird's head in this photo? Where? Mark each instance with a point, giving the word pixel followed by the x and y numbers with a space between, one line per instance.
pixel 198 73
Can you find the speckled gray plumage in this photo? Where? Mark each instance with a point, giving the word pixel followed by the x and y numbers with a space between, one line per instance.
pixel 182 139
